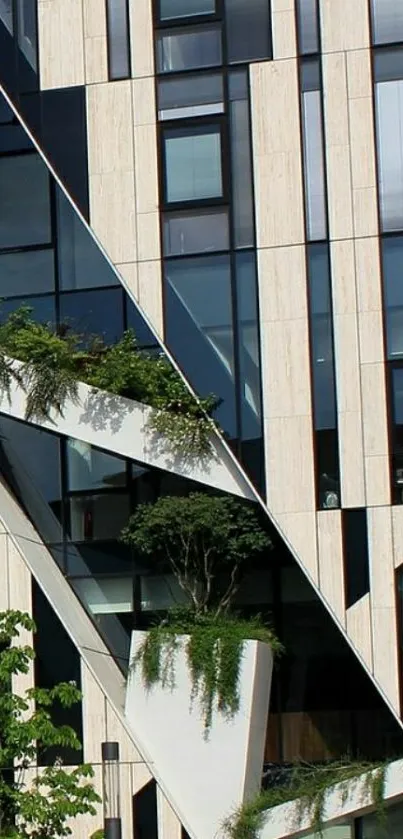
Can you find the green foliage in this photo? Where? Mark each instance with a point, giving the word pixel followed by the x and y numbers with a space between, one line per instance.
pixel 54 362
pixel 308 785
pixel 214 650
pixel 41 809
pixel 207 541
pixel 98 834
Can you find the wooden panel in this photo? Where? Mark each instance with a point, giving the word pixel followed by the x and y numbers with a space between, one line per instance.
pixel 94 716
pixel 277 153
pixel 61 43
pixel 330 551
pixel 359 628
pixel 345 25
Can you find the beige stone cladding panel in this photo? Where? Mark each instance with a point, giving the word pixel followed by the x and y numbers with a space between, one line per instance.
pixel 347 363
pixel 4 583
pixel 362 143
pixel 330 552
pixel 336 115
pixel 383 604
pixel 20 598
pixel 95 41
pixel 397 523
pixel 300 531
pixel 141 36
pixel 150 293
pixel 358 622
pixel 94 716
pixel 277 153
pixel 111 169
pixel 376 443
pixel 61 43
pixel 344 24
pixel 169 826
pixel 283 29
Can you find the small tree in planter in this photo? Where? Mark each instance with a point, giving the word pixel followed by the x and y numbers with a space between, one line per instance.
pixel 207 542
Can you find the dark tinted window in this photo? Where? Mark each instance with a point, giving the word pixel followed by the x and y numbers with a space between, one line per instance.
pixel 170 9
pixel 81 263
pixel 94 313
pixel 356 560
pixel 197 232
pixel 23 272
pixel 192 159
pixel 187 49
pixel 248 30
pixel 64 137
pixel 308 29
pixel 145 825
pixel 24 201
pixel 322 337
pixel 249 355
pixel 190 96
pixel 392 254
pixel 387 21
pixel 118 39
pixel 241 184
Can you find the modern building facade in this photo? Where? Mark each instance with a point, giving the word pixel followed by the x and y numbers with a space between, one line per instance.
pixel 224 177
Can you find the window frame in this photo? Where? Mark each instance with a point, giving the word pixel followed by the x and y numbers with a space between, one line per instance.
pixel 195 29
pixel 187 20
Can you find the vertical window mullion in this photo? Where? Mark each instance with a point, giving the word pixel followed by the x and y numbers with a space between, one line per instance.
pixel 118 38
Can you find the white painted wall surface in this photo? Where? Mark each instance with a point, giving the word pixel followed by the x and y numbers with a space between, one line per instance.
pixel 208 778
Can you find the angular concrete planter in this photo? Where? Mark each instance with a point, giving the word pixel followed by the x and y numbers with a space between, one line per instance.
pixel 209 778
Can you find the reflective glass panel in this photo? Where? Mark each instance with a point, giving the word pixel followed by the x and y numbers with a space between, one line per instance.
pixel 27 30
pixel 118 39
pixel 308 30
pixel 24 201
pixel 387 21
pixel 314 168
pixel 199 315
pixel 81 263
pixel 392 256
pixel 6 14
pixel 196 232
pixel 190 96
pixel 136 322
pixel 98 516
pixel 248 30
pixel 170 9
pixel 25 271
pixel 249 357
pixel 241 185
pixel 388 64
pixel 389 113
pixel 89 468
pixel 393 828
pixel 94 313
pixel 185 49
pixel 321 337
pixel 43 308
pixel 193 163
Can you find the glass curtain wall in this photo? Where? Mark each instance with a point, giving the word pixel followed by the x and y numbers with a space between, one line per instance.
pixel 207 206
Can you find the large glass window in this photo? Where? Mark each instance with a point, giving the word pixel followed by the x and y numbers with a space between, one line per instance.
pixel 118 39
pixel 188 49
pixel 6 14
pixel 392 257
pixel 356 558
pixel 389 115
pixel 370 828
pixel 387 21
pixel 94 313
pixel 81 263
pixel 94 517
pixel 308 26
pixel 89 468
pixel 192 158
pixel 313 146
pixel 248 30
pixel 190 96
pixel 197 232
pixel 321 337
pixel 241 175
pixel 24 272
pixel 24 201
pixel 199 315
pixel 170 9
pixel 249 353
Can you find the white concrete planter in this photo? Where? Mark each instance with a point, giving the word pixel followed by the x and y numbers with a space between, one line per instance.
pixel 209 778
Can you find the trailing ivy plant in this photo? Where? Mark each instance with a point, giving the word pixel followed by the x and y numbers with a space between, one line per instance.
pixel 207 542
pixel 308 785
pixel 54 361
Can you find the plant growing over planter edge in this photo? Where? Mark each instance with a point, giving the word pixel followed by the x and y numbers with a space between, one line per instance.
pixel 53 362
pixel 309 784
pixel 207 542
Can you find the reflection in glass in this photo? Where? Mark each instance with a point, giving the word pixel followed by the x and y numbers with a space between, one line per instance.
pixel 27 31
pixel 199 314
pixel 43 308
pixel 249 355
pixel 308 29
pixel 81 263
pixel 392 256
pixel 389 113
pixel 94 313
pixel 98 516
pixel 89 468
pixel 118 39
pixel 6 14
pixel 322 337
pixel 193 163
pixel 187 49
pixel 170 9
pixel 24 201
pixel 242 196
pixel 190 96
pixel 314 164
pixel 22 272
pixel 195 232
pixel 248 30
pixel 387 21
